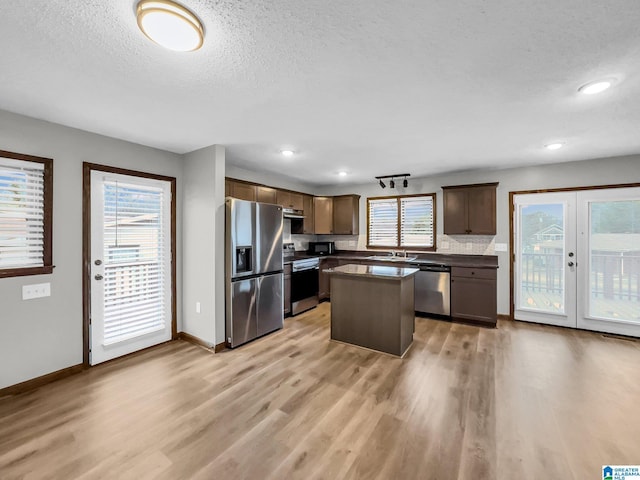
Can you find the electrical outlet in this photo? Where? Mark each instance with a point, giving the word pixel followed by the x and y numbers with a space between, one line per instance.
pixel 500 247
pixel 445 245
pixel 197 307
pixel 469 246
pixel 36 291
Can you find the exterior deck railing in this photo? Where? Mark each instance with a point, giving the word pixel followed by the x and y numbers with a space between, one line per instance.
pixel 614 276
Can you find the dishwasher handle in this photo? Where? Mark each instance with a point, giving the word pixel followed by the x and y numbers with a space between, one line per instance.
pixel 435 268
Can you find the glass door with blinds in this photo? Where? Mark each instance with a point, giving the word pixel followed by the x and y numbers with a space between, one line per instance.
pixel 130 264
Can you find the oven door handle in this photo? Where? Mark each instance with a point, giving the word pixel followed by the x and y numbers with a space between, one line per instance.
pixel 305 269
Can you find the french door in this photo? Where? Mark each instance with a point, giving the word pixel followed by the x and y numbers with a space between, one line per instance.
pixel 131 264
pixel 577 259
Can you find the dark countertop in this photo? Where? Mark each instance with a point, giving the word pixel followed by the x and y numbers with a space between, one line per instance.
pixel 468 261
pixel 374 271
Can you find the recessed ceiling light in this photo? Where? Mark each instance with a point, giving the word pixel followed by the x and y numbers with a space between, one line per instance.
pixel 342 173
pixel 554 146
pixel 595 87
pixel 170 25
pixel 287 153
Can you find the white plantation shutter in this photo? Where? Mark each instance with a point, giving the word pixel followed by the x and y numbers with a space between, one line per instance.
pixel 383 222
pixel 135 261
pixel 416 224
pixel 21 214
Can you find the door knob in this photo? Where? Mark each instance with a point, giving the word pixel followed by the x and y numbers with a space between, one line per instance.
pixel 570 264
pixel 571 254
pixel 98 262
pixel 98 277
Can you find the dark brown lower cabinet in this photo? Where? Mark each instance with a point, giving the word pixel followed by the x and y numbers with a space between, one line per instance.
pixel 473 295
pixel 324 283
pixel 287 289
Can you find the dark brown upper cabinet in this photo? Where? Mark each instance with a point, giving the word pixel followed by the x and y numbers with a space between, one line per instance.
pixel 470 209
pixel 243 191
pixel 289 199
pixel 346 215
pixel 266 195
pixel 323 215
pixel 308 223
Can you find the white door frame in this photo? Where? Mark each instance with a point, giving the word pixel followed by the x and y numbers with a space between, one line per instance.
pixel 569 317
pixel 583 194
pixel 86 253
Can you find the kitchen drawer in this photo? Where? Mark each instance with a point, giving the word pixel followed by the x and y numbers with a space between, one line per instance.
pixel 489 273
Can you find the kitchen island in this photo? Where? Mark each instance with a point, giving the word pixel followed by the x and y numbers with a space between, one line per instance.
pixel 373 306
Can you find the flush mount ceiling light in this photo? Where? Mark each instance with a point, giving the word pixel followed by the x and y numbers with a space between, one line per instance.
pixel 287 153
pixel 342 173
pixel 392 183
pixel 596 87
pixel 554 146
pixel 170 25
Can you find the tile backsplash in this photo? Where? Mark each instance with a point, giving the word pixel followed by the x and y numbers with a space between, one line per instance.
pixel 300 242
pixel 466 244
pixel 449 244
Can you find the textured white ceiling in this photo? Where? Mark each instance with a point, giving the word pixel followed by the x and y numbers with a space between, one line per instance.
pixel 374 87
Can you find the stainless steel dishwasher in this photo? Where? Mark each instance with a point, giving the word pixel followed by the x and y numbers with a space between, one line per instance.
pixel 433 289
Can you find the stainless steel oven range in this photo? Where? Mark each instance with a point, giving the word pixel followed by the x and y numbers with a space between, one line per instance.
pixel 304 284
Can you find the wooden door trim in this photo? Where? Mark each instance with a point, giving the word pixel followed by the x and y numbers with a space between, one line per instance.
pixel 87 168
pixel 511 226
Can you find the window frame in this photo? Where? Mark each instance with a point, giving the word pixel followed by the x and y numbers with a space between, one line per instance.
pixel 399 246
pixel 47 248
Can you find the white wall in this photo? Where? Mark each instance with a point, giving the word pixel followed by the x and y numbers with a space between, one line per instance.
pixel 606 171
pixel 44 335
pixel 203 239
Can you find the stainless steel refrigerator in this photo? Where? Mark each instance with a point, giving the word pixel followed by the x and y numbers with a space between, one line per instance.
pixel 254 278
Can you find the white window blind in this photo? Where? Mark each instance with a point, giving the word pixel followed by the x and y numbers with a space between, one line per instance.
pixel 416 224
pixel 383 222
pixel 21 214
pixel 403 221
pixel 136 259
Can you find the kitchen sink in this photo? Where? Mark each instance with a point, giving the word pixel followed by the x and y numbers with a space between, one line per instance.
pixel 389 258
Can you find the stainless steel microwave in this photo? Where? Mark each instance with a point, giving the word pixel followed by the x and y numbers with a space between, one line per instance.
pixel 322 248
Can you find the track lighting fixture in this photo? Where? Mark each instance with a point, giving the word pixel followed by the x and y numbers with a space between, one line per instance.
pixel 392 182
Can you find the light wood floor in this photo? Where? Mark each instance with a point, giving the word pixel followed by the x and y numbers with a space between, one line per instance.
pixel 518 402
